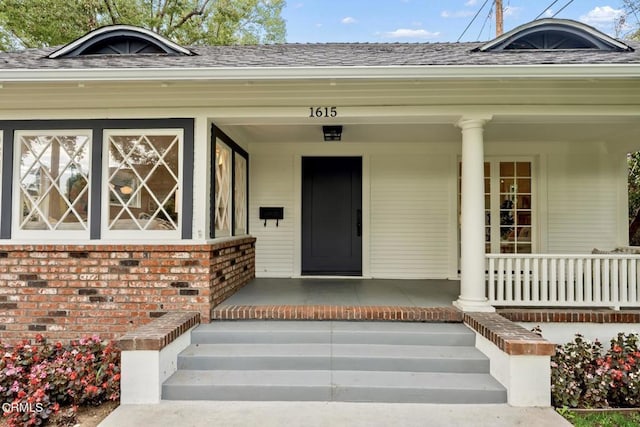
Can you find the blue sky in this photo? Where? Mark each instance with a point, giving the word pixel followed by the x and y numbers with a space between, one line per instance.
pixel 324 21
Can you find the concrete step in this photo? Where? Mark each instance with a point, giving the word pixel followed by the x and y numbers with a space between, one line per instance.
pixel 401 333
pixel 325 385
pixel 333 360
pixel 369 357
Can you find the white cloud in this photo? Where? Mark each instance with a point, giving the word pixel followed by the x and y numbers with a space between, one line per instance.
pixel 548 13
pixel 471 3
pixel 457 14
pixel 348 20
pixel 405 33
pixel 605 15
pixel 298 5
pixel 511 10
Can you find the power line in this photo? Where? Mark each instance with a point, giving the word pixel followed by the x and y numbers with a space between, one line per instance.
pixel 634 10
pixel 486 19
pixel 563 8
pixel 546 8
pixel 474 18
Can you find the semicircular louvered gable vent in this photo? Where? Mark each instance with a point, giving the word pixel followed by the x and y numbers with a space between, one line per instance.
pixel 120 40
pixel 554 34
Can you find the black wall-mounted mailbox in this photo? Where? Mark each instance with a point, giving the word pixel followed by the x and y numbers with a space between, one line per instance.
pixel 271 213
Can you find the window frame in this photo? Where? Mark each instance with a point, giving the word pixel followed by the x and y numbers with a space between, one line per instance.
pixel 97 126
pixel 66 234
pixel 218 134
pixel 146 234
pixel 228 209
pixel 237 231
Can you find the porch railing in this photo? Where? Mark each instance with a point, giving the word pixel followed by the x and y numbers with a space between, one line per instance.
pixel 559 280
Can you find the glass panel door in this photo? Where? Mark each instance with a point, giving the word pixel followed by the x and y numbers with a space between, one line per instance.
pixel 507 206
pixel 515 207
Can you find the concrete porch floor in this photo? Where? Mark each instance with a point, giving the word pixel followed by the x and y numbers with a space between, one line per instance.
pixel 342 299
pixel 347 292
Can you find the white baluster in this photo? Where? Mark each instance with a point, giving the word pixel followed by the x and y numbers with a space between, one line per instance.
pixel 544 295
pixel 597 282
pixel 509 284
pixel 580 280
pixel 562 283
pixel 624 272
pixel 633 282
pixel 517 281
pixel 588 279
pixel 526 281
pixel 491 281
pixel 571 277
pixel 501 284
pixel 615 283
pixel 606 282
pixel 536 280
pixel 553 279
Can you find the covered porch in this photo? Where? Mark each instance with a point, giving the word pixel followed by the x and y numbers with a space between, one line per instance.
pixel 507 205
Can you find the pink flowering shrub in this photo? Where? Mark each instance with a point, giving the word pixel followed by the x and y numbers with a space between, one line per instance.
pixel 35 380
pixel 584 375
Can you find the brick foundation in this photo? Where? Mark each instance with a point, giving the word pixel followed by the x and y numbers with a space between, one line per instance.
pixel 336 312
pixel 568 315
pixel 68 291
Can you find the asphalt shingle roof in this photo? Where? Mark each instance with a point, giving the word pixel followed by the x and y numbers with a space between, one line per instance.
pixel 322 55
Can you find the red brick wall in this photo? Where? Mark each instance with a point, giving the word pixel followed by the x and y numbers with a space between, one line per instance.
pixel 69 291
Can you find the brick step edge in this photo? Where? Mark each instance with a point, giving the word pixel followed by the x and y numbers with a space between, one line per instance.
pixel 159 333
pixel 334 312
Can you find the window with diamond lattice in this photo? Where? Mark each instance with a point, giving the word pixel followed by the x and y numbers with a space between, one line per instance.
pixel 240 195
pixel 143 179
pixel 53 180
pixel 223 189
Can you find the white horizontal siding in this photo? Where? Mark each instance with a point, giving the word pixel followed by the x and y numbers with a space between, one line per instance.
pixel 271 184
pixel 582 202
pixel 410 218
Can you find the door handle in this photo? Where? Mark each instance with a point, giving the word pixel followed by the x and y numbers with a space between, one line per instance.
pixel 359 222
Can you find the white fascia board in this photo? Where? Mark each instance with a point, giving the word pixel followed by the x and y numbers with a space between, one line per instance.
pixel 582 71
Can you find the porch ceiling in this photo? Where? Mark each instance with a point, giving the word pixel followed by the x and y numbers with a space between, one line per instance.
pixel 615 129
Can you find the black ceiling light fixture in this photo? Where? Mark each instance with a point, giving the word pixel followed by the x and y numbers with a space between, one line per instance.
pixel 332 133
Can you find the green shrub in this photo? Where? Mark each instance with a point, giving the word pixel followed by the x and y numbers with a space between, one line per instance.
pixel 584 375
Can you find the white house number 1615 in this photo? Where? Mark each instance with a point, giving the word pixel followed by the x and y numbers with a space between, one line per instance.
pixel 320 112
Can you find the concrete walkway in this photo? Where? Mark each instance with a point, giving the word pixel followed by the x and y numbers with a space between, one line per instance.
pixel 329 414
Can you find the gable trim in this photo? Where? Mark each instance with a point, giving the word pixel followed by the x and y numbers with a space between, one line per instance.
pixel 77 47
pixel 600 39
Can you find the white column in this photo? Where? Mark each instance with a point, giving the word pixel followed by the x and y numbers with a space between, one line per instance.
pixel 472 223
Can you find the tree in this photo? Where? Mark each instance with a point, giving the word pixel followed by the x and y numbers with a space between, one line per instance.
pixel 631 14
pixel 41 23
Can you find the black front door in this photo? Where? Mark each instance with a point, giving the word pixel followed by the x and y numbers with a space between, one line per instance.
pixel 332 216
